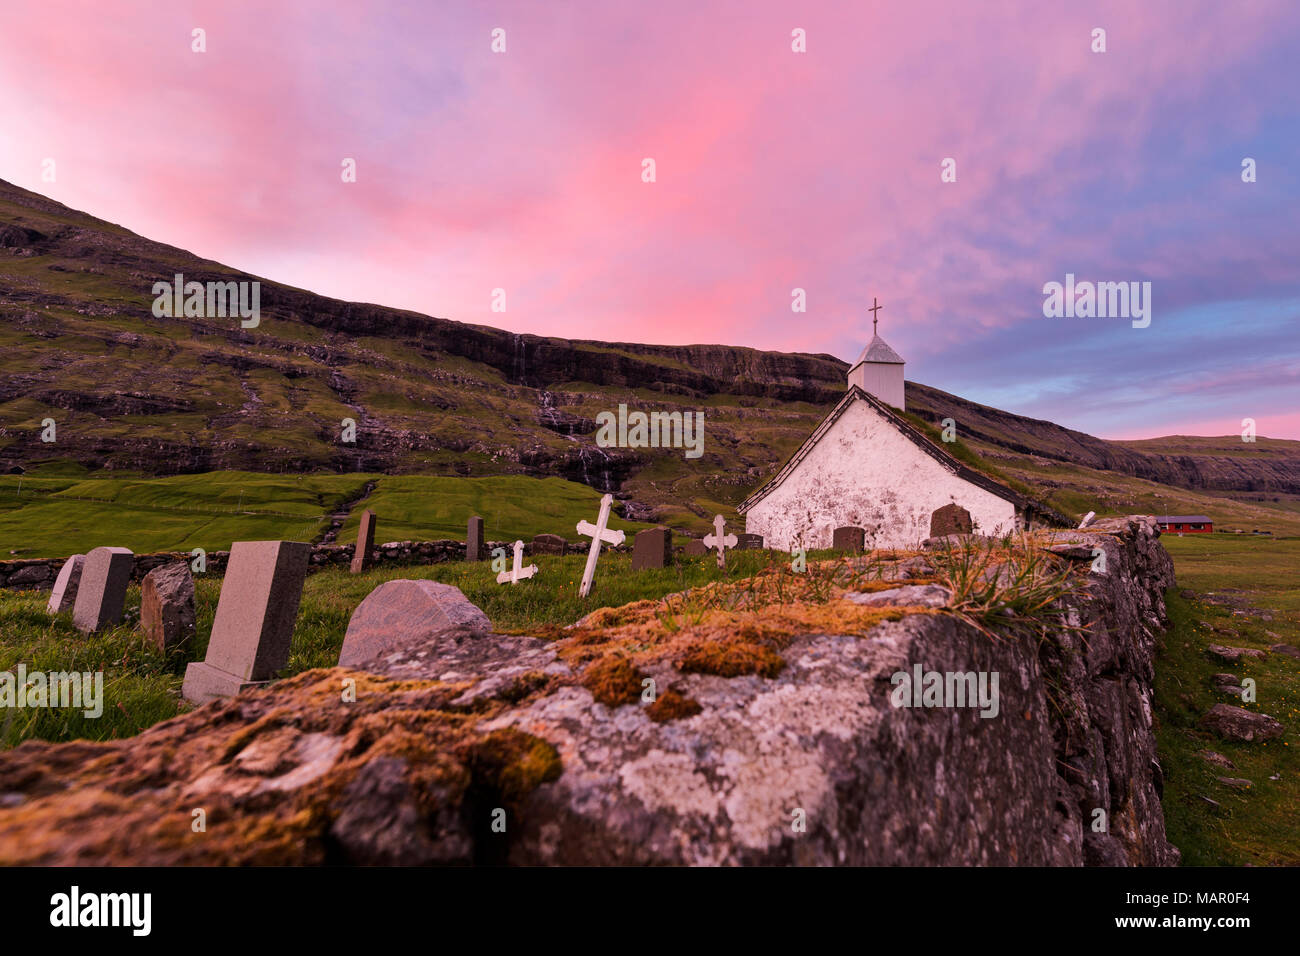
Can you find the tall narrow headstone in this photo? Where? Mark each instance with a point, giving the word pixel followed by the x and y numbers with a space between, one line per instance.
pixel 474 545
pixel 652 548
pixel 361 555
pixel 64 595
pixel 101 593
pixel 254 621
pixel 849 538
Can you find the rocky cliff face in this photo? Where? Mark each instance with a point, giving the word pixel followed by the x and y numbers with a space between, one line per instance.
pixel 771 736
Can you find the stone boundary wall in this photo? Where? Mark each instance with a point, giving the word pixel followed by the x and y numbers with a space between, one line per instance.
pixel 38 574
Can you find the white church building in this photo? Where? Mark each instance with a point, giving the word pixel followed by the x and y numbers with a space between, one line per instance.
pixel 867 466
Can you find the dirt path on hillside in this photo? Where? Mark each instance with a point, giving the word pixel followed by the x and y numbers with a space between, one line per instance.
pixel 336 520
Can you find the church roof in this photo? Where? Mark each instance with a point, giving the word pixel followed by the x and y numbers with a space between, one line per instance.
pixel 878 350
pixel 855 394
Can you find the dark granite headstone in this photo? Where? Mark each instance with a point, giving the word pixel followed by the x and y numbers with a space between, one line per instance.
pixel 475 548
pixel 549 544
pixel 950 519
pixel 749 542
pixel 652 548
pixel 849 538
pixel 362 555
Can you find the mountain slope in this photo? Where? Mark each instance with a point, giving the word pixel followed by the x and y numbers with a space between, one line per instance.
pixel 79 344
pixel 1216 464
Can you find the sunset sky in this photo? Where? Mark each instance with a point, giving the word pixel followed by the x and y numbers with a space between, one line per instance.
pixel 775 170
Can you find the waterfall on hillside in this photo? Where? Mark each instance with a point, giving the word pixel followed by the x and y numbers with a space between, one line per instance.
pixel 546 407
pixel 585 453
pixel 520 366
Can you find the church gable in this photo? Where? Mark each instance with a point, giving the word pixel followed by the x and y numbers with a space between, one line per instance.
pixel 866 466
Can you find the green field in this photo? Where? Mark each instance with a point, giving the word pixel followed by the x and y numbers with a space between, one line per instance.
pixel 53 516
pixel 57 516
pixel 1247 594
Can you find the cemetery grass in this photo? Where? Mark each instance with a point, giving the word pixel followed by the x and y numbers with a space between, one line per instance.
pixel 1228 574
pixel 142 685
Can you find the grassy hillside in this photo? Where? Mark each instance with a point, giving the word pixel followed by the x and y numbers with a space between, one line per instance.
pixel 132 392
pixel 1076 489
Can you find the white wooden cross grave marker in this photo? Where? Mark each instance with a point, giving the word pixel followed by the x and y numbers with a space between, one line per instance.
pixel 598 533
pixel 518 571
pixel 719 541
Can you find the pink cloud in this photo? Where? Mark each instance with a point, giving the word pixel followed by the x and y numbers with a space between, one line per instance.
pixel 775 170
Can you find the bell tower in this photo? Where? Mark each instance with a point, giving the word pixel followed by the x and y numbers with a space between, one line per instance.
pixel 879 369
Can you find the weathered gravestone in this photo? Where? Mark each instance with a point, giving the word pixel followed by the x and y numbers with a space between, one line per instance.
pixel 167 605
pixel 64 595
pixel 101 593
pixel 749 542
pixel 362 554
pixel 475 548
pixel 549 544
pixel 950 519
pixel 695 547
pixel 402 617
pixel 254 620
pixel 849 538
pixel 652 548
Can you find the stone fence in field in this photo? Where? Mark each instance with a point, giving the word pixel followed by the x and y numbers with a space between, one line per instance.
pixel 38 574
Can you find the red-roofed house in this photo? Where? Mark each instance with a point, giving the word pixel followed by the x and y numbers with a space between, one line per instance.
pixel 1185 524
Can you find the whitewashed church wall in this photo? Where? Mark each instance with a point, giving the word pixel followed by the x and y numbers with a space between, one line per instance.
pixel 864 472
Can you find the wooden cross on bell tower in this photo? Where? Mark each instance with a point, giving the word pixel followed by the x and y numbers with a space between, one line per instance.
pixel 875 307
